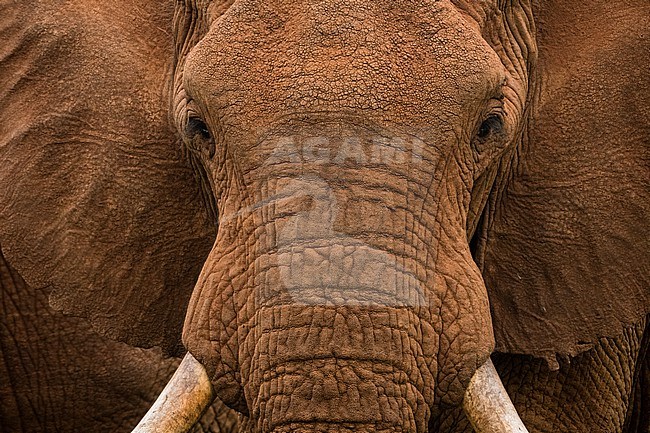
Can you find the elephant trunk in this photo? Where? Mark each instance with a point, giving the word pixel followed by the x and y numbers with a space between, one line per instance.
pixel 189 393
pixel 327 368
pixel 318 308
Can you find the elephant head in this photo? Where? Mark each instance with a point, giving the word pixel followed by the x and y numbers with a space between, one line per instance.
pixel 371 197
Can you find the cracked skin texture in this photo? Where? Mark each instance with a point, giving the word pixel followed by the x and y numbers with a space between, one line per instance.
pixel 58 375
pixel 380 233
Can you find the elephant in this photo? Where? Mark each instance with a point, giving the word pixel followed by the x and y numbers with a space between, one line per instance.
pixel 369 216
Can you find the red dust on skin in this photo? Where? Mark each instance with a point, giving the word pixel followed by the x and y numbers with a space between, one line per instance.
pixel 332 216
pixel 521 126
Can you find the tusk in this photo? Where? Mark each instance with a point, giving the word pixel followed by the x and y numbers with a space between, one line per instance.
pixel 182 402
pixel 487 405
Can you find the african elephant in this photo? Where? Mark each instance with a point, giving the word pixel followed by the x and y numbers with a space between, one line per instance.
pixel 372 216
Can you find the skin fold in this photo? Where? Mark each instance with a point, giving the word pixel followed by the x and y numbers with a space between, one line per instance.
pixel 341 209
pixel 58 375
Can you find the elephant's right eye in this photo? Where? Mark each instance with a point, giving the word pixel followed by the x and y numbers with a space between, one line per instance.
pixel 197 131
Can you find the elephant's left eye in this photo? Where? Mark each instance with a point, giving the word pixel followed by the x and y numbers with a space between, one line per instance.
pixel 492 125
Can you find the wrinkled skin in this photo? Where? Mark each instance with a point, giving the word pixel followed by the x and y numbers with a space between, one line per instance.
pixel 401 188
pixel 58 375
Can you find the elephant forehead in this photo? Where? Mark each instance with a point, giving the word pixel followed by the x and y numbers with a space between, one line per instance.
pixel 391 63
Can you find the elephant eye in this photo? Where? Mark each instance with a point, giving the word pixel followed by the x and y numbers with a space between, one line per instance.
pixel 197 130
pixel 492 125
pixel 196 126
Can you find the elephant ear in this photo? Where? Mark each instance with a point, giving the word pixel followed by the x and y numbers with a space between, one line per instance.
pixel 564 244
pixel 97 203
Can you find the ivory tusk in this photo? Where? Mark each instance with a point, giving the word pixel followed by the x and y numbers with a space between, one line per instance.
pixel 182 402
pixel 487 405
